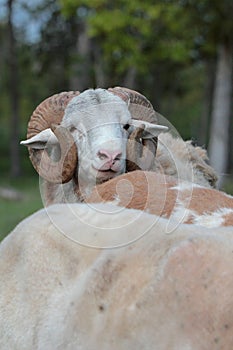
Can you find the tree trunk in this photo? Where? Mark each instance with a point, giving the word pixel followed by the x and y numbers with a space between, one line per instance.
pixel 98 65
pixel 15 169
pixel 209 72
pixel 219 131
pixel 80 78
pixel 130 78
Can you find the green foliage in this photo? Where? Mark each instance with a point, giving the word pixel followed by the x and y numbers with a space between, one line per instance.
pixel 138 32
pixel 182 107
pixel 135 32
pixel 213 20
pixel 228 186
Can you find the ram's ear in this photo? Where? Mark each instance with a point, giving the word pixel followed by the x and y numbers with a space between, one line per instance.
pixel 150 130
pixel 42 140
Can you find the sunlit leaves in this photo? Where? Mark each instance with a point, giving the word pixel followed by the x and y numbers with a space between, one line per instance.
pixel 133 32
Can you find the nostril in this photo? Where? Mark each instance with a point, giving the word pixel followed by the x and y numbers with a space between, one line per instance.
pixel 102 154
pixel 117 156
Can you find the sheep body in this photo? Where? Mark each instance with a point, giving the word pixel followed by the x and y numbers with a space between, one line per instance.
pixel 164 291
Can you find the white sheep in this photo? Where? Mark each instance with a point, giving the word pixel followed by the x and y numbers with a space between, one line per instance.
pixel 77 140
pixel 162 291
pixel 183 160
pixel 81 139
pixel 165 196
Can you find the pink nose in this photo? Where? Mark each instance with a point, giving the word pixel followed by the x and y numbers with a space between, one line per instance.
pixel 109 156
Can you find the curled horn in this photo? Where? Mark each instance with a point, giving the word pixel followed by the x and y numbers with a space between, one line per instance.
pixel 49 114
pixel 140 154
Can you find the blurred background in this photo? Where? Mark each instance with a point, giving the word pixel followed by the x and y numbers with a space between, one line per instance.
pixel 177 53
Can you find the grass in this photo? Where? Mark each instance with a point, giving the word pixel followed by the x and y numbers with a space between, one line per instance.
pixel 13 211
pixel 228 187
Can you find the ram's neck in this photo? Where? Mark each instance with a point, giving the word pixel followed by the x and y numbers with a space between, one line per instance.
pixel 60 193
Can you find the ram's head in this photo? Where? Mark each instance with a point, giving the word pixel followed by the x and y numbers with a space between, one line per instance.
pixel 92 136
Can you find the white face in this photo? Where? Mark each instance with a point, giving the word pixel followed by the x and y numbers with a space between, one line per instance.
pixel 102 152
pixel 100 133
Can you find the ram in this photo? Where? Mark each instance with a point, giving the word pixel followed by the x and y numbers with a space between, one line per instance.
pixel 168 197
pixel 77 140
pixel 157 291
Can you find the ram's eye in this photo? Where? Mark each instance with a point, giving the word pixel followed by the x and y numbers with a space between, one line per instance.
pixel 126 126
pixel 72 129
